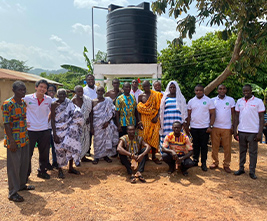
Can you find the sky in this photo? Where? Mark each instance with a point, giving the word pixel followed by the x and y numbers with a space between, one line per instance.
pixel 47 34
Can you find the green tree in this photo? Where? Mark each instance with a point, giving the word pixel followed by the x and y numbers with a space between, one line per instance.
pixel 240 17
pixel 202 62
pixel 101 56
pixel 68 79
pixel 262 92
pixel 14 64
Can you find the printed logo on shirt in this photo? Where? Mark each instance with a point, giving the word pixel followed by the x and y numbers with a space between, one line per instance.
pixel 227 103
pixel 204 102
pixel 31 103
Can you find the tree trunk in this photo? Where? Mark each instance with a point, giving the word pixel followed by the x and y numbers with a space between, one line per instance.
pixel 235 56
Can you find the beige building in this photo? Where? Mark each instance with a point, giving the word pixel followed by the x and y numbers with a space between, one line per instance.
pixel 7 78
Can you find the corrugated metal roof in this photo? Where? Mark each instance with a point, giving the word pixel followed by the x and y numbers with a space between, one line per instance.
pixel 22 76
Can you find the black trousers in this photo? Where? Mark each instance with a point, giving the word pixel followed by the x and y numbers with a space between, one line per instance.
pixel 247 142
pixel 200 144
pixel 126 162
pixel 43 140
pixel 185 165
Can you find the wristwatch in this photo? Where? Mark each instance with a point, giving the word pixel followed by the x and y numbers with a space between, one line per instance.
pixel 211 126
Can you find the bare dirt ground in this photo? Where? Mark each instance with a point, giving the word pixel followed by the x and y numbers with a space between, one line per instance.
pixel 103 192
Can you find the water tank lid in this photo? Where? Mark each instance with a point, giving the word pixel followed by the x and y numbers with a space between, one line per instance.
pixel 143 5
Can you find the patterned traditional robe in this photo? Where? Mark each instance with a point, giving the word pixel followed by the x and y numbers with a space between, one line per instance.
pixel 105 140
pixel 69 123
pixel 86 110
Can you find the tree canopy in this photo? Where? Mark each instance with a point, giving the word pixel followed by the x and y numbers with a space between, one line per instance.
pixel 244 18
pixel 202 62
pixel 101 56
pixel 14 64
pixel 68 79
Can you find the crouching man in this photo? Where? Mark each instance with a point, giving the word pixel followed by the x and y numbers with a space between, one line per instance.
pixel 177 150
pixel 132 150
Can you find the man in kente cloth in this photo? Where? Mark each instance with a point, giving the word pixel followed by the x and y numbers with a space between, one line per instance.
pixel 67 124
pixel 114 94
pixel 85 103
pixel 148 107
pixel 177 150
pixel 132 150
pixel 106 136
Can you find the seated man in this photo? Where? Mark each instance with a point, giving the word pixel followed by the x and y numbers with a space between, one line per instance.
pixel 133 148
pixel 177 149
pixel 67 124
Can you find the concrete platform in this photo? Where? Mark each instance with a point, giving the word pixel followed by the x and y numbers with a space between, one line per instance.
pixel 101 166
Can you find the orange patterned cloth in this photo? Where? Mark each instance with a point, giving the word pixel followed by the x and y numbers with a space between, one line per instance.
pixel 148 111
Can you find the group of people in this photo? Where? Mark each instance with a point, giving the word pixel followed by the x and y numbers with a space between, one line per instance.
pixel 127 122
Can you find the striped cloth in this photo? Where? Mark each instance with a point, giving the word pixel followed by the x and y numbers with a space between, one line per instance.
pixel 171 114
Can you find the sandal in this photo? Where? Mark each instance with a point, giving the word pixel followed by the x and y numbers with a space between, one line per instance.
pixel 95 161
pixel 107 159
pixel 61 174
pixel 28 188
pixel 140 177
pixel 16 198
pixel 84 159
pixel 157 161
pixel 76 172
pixel 133 179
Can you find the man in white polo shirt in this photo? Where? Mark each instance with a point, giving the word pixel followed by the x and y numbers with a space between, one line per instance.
pixel 222 128
pixel 90 91
pixel 38 109
pixel 249 119
pixel 135 91
pixel 201 116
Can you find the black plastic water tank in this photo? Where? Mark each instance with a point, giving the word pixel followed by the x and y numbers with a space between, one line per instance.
pixel 131 34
